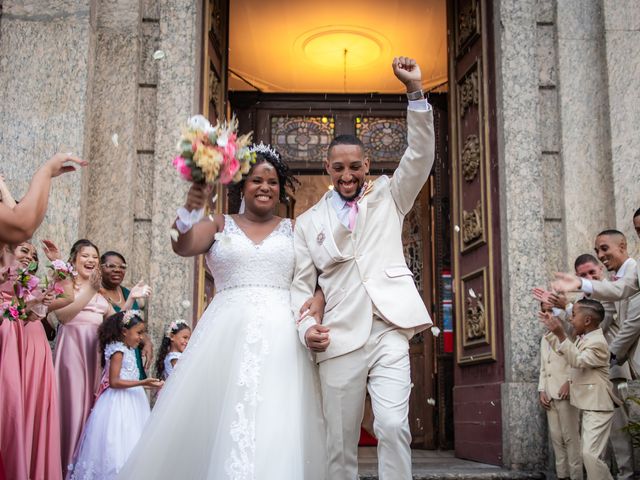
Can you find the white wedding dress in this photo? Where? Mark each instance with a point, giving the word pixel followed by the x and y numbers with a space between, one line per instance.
pixel 243 402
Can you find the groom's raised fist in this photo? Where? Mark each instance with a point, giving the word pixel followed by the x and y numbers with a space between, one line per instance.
pixel 317 338
pixel 408 72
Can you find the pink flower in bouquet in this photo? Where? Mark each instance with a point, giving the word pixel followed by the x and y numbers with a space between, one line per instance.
pixel 58 289
pixel 182 168
pixel 229 170
pixel 14 312
pixel 230 148
pixel 59 265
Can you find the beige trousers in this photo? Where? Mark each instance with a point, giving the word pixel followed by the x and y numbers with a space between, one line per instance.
pixel 620 440
pixel 564 430
pixel 596 427
pixel 381 366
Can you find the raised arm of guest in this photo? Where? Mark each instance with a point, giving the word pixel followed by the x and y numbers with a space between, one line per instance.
pixel 18 224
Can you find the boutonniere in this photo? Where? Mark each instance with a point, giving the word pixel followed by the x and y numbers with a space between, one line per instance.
pixel 368 187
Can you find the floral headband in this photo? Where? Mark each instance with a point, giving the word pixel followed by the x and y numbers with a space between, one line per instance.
pixel 130 315
pixel 173 326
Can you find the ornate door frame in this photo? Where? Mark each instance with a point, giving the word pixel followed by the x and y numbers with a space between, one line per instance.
pixel 479 370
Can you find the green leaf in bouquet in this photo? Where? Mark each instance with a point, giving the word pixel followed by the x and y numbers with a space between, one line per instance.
pixel 186 149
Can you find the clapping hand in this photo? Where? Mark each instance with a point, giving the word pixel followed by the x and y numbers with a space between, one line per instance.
pixel 565 282
pixel 56 164
pixel 553 299
pixel 95 280
pixel 141 290
pixel 51 250
pixel 553 324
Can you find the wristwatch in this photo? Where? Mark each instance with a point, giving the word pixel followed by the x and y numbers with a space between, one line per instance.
pixel 417 95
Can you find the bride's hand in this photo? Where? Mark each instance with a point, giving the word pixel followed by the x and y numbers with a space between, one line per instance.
pixel 197 196
pixel 314 307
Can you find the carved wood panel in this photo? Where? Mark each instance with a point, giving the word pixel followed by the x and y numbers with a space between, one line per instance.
pixel 479 369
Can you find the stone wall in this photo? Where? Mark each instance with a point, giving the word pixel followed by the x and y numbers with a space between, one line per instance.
pixel 47 52
pixel 621 47
pixel 568 88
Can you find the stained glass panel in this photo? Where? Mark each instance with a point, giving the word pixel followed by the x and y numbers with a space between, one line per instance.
pixel 302 139
pixel 384 138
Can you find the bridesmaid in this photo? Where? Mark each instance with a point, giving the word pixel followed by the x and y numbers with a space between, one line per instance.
pixel 114 268
pixel 12 437
pixel 77 353
pixel 41 418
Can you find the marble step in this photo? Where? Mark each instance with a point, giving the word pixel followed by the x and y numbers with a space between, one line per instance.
pixel 442 464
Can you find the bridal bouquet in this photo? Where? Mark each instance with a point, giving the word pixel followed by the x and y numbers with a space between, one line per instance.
pixel 213 153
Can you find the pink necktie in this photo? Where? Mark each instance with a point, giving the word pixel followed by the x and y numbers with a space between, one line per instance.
pixel 353 213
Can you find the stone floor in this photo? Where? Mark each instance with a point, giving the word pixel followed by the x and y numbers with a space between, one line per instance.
pixel 433 464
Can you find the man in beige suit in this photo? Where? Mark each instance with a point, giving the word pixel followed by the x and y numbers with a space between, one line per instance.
pixel 587 267
pixel 611 248
pixel 590 388
pixel 350 245
pixel 563 418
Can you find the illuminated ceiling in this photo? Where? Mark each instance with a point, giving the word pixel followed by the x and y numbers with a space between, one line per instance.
pixel 299 46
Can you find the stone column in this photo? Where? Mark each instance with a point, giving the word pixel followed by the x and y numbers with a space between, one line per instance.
pixel 46 55
pixel 585 140
pixel 177 98
pixel 622 44
pixel 112 176
pixel 522 227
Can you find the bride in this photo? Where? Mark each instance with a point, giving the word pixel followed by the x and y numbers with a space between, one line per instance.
pixel 243 402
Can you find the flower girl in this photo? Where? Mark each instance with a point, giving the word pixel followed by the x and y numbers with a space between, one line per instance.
pixel 173 344
pixel 122 408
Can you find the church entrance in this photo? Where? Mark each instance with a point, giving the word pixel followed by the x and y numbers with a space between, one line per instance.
pixel 298 74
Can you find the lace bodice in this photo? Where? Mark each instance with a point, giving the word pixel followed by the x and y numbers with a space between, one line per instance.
pixel 236 261
pixel 129 369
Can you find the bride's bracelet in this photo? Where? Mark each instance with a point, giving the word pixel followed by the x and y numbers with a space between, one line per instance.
pixel 187 219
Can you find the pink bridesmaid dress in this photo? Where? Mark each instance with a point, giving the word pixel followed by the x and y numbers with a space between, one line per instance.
pixel 42 421
pixel 12 437
pixel 78 372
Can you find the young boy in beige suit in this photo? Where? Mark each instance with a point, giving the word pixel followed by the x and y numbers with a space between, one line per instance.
pixel 562 417
pixel 590 388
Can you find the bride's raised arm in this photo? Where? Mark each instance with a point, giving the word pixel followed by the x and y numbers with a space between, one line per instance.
pixel 189 239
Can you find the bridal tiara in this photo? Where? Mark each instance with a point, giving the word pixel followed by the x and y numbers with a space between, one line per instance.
pixel 265 149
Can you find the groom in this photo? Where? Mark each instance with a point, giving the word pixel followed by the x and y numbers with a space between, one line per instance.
pixel 350 244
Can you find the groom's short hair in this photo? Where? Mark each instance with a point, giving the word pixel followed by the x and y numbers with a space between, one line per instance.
pixel 345 140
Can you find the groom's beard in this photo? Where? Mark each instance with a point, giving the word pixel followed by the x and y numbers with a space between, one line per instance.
pixel 352 197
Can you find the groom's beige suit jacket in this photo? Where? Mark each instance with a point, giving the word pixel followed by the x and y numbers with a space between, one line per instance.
pixel 365 269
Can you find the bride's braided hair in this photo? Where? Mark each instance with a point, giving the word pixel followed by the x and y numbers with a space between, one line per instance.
pixel 285 176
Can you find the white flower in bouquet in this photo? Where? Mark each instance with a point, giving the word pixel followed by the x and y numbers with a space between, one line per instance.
pixel 199 122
